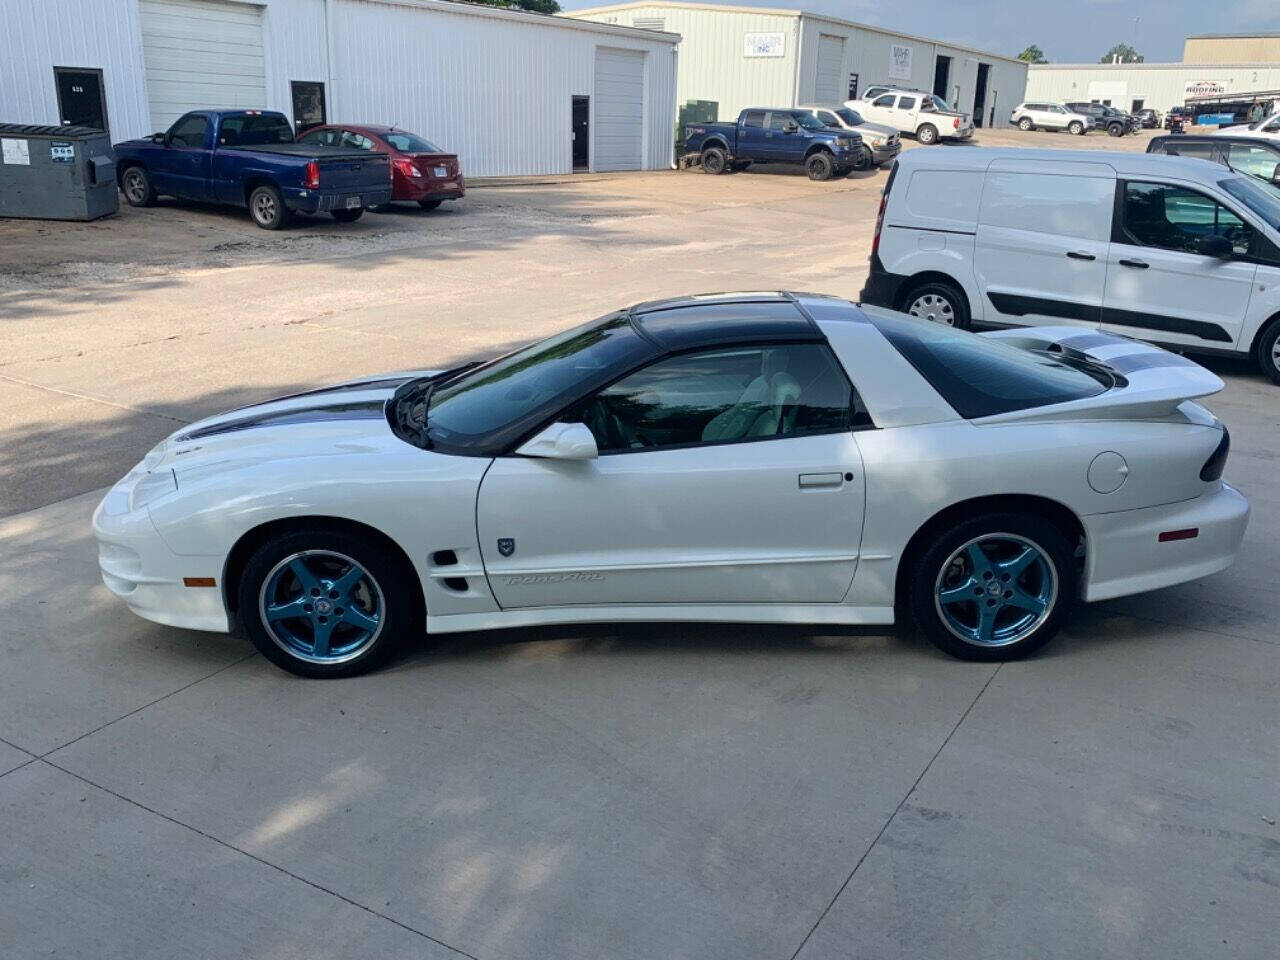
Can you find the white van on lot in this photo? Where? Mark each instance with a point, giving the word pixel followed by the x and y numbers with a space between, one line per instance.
pixel 1177 251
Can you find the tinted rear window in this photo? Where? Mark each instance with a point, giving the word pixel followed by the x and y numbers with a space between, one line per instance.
pixel 980 377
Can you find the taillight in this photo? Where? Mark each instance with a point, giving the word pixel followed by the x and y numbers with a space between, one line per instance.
pixel 407 167
pixel 955 123
pixel 311 179
pixel 875 239
pixel 1217 462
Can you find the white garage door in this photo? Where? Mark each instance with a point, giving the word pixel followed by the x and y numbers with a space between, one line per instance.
pixel 619 114
pixel 201 54
pixel 828 85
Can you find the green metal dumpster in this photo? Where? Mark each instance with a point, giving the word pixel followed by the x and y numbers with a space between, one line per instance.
pixel 56 173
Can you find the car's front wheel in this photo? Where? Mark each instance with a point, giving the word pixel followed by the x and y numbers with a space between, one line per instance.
pixel 136 184
pixel 819 166
pixel 1076 127
pixel 1268 351
pixel 993 587
pixel 1024 123
pixel 1115 130
pixel 325 603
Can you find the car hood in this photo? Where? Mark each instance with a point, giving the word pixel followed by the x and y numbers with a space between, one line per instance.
pixel 877 130
pixel 347 417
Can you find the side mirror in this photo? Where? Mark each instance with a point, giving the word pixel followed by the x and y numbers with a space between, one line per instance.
pixel 562 441
pixel 157 138
pixel 790 127
pixel 1219 247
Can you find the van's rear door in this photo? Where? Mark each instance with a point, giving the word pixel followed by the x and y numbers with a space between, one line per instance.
pixel 1040 253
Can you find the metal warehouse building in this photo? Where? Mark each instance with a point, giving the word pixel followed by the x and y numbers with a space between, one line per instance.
pixel 510 92
pixel 739 57
pixel 1132 86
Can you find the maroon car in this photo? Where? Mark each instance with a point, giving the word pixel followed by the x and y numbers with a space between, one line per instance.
pixel 420 171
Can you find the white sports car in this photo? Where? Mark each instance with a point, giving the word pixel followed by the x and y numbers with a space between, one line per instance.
pixel 750 457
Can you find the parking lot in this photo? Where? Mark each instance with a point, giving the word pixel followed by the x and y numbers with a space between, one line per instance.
pixel 646 791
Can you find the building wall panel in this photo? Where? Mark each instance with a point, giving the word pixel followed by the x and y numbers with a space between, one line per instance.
pixel 1158 85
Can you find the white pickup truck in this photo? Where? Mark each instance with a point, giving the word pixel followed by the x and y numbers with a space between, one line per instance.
pixel 925 116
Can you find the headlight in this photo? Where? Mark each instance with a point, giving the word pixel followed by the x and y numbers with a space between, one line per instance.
pixel 877 143
pixel 155 455
pixel 152 486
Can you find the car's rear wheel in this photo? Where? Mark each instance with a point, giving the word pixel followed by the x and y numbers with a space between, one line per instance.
pixel 927 134
pixel 348 216
pixel 267 208
pixel 714 160
pixel 1268 351
pixel 938 302
pixel 429 204
pixel 325 603
pixel 994 587
pixel 819 166
pixel 1024 123
pixel 137 187
pixel 1076 127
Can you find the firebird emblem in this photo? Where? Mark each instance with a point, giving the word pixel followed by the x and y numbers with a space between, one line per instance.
pixel 506 546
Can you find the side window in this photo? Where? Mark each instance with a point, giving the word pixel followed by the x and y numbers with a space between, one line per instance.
pixel 1175 218
pixel 778 120
pixel 322 138
pixel 189 131
pixel 726 395
pixel 352 139
pixel 906 103
pixel 1176 147
pixel 753 118
pixel 884 101
pixel 1256 160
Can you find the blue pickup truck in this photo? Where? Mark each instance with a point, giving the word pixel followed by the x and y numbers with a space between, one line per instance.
pixel 248 158
pixel 776 136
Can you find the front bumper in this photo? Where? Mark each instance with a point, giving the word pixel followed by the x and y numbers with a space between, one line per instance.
pixel 140 568
pixel 887 153
pixel 1126 556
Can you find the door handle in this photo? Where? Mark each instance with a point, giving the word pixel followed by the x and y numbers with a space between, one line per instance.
pixel 811 481
pixel 1080 255
pixel 1136 264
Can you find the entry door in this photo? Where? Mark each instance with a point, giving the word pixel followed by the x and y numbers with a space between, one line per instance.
pixel 941 75
pixel 581 133
pixel 81 101
pixel 308 104
pixel 726 477
pixel 980 93
pixel 1040 253
pixel 1159 287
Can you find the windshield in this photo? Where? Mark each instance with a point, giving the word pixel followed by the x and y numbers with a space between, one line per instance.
pixel 491 407
pixel 410 142
pixel 980 377
pixel 1260 197
pixel 851 117
pixel 808 120
pixel 935 103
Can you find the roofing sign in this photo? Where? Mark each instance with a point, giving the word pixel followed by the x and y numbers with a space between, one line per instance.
pixel 1205 88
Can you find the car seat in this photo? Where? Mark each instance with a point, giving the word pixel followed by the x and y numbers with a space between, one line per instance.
pixel 766 408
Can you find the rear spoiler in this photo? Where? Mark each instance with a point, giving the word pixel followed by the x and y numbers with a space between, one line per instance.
pixel 1153 382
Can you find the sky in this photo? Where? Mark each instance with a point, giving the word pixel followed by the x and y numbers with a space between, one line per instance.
pixel 1068 31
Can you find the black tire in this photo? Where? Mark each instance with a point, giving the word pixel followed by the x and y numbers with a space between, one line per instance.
pixel 943 567
pixel 1267 352
pixel 348 216
pixel 1076 127
pixel 714 161
pixel 939 302
pixel 386 585
pixel 135 184
pixel 429 204
pixel 1025 124
pixel 927 134
pixel 1115 129
pixel 267 209
pixel 819 166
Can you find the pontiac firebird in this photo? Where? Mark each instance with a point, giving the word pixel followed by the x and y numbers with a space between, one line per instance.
pixel 759 458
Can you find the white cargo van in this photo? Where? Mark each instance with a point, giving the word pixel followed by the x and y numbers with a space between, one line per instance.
pixel 1181 252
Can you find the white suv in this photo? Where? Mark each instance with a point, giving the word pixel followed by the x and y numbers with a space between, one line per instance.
pixel 1050 116
pixel 925 116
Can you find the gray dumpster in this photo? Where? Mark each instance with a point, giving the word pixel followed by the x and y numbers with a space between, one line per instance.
pixel 56 173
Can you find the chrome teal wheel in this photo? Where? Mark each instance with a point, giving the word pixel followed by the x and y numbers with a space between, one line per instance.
pixel 322 607
pixel 996 590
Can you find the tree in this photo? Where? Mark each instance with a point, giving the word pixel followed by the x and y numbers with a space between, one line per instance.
pixel 1032 54
pixel 537 6
pixel 1123 52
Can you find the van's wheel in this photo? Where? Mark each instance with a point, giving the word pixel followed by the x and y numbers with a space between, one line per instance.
pixel 1024 124
pixel 819 166
pixel 323 602
pixel 267 208
pixel 348 216
pixel 938 302
pixel 137 188
pixel 927 134
pixel 714 160
pixel 1268 351
pixel 1075 127
pixel 993 587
